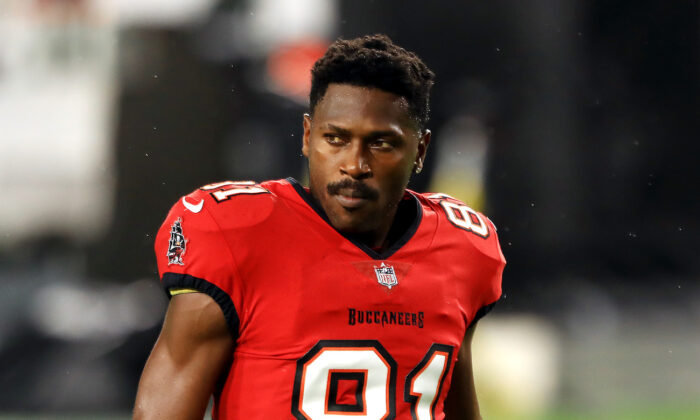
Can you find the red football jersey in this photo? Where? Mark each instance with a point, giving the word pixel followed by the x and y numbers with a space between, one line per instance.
pixel 327 328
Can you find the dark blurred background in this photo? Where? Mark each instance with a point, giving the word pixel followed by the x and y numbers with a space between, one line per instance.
pixel 572 124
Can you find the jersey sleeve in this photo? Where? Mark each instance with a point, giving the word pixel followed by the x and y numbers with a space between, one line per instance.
pixel 193 255
pixel 482 255
pixel 490 274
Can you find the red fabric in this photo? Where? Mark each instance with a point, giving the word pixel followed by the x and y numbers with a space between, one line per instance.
pixel 295 281
pixel 346 392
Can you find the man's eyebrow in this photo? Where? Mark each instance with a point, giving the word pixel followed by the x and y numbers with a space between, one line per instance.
pixel 371 134
pixel 383 133
pixel 339 130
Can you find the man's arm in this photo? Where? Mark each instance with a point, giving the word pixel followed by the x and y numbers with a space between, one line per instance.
pixel 461 402
pixel 193 347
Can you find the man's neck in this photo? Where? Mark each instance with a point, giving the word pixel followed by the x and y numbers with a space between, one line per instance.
pixel 379 239
pixel 399 219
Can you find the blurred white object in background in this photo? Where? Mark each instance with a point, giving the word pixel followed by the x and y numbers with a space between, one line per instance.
pixel 257 28
pixel 272 23
pixel 164 13
pixel 516 366
pixel 78 312
pixel 57 85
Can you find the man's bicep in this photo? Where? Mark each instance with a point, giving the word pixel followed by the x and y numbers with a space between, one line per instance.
pixel 194 322
pixel 461 402
pixel 193 348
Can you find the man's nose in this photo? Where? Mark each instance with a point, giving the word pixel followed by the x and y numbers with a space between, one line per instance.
pixel 356 162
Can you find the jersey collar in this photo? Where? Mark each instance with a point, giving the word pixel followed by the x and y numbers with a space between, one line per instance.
pixel 386 253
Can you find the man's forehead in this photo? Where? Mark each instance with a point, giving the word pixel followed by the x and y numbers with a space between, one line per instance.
pixel 348 105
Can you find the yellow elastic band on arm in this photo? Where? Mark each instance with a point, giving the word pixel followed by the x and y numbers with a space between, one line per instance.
pixel 178 291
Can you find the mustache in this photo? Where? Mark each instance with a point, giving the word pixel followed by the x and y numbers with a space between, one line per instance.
pixel 359 189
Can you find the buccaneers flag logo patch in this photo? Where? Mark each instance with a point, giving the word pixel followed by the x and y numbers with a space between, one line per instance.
pixel 177 245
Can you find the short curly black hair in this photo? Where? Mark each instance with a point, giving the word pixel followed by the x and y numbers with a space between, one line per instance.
pixel 375 61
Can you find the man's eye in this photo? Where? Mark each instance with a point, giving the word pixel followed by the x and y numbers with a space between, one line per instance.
pixel 382 144
pixel 333 139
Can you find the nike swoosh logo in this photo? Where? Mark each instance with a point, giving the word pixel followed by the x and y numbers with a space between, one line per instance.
pixel 194 208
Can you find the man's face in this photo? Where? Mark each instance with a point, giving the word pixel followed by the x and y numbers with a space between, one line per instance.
pixel 362 147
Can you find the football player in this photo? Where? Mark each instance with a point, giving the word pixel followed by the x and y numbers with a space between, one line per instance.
pixel 352 298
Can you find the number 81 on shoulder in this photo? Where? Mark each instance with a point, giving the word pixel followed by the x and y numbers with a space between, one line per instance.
pixel 356 379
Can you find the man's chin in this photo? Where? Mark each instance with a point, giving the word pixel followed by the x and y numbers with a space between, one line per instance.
pixel 351 223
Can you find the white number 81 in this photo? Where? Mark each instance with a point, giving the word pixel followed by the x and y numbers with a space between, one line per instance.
pixel 370 371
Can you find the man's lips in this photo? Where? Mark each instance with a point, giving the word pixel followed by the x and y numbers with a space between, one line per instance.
pixel 353 193
pixel 349 201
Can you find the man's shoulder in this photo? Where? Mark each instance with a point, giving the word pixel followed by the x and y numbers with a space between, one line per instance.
pixel 230 205
pixel 229 192
pixel 461 226
pixel 235 199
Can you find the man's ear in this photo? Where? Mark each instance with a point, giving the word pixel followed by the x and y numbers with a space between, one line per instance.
pixel 423 144
pixel 307 134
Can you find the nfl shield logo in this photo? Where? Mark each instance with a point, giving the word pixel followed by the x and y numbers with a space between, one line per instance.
pixel 386 275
